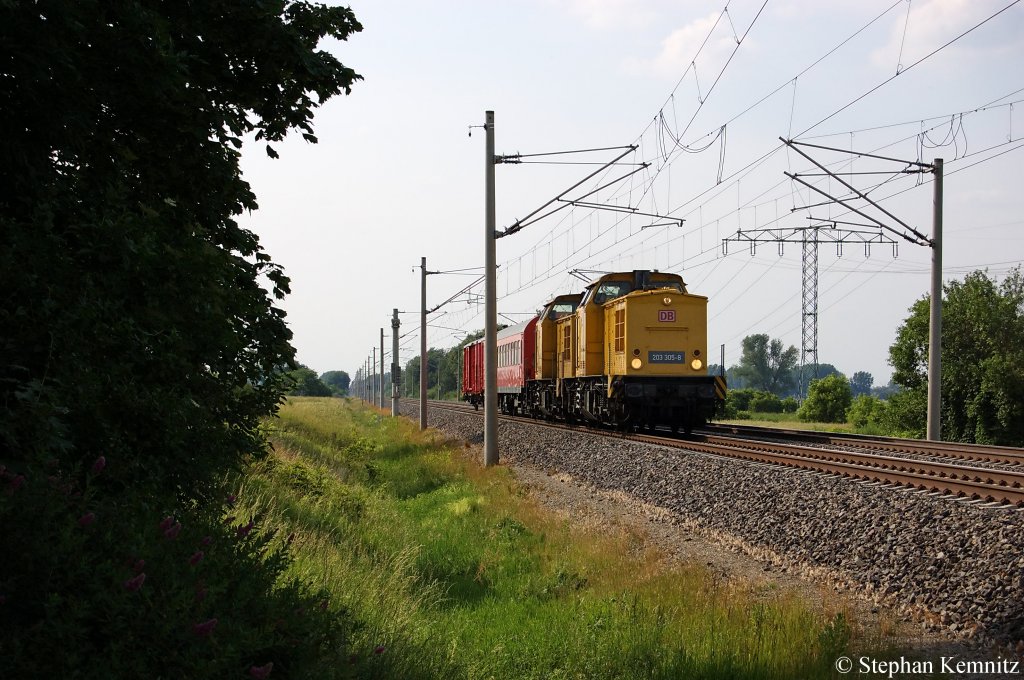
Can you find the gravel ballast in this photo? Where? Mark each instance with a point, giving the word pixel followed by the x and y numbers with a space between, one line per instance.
pixel 951 564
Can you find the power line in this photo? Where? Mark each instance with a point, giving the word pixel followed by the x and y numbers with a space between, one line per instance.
pixel 899 73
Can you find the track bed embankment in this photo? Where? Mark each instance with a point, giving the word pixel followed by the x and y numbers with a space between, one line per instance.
pixel 952 564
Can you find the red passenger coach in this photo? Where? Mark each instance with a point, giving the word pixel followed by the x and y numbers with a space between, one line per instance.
pixel 516 346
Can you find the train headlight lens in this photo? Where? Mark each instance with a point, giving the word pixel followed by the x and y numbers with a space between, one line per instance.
pixel 636 364
pixel 667 300
pixel 696 364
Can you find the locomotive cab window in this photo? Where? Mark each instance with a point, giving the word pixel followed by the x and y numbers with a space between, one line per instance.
pixel 560 310
pixel 609 290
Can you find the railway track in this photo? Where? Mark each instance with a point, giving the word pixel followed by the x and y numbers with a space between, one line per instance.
pixel 942 468
pixel 945 450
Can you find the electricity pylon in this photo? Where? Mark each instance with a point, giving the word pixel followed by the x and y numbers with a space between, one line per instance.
pixel 810 238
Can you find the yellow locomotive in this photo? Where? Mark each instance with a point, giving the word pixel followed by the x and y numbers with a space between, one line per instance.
pixel 631 351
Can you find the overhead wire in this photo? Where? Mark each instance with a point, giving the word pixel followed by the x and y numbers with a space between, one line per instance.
pixel 756 163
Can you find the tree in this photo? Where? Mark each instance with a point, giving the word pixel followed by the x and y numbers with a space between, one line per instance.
pixel 817 371
pixel 132 318
pixel 305 383
pixel 827 400
pixel 338 381
pixel 136 336
pixel 765 365
pixel 861 383
pixel 885 391
pixel 982 390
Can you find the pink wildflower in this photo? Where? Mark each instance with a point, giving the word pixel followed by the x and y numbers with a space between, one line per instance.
pixel 134 583
pixel 166 523
pixel 98 466
pixel 17 482
pixel 173 532
pixel 379 649
pixel 231 500
pixel 243 531
pixel 196 558
pixel 207 540
pixel 261 672
pixel 323 605
pixel 86 519
pixel 205 628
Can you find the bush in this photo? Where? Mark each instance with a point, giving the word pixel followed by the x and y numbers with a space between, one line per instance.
pixel 906 413
pixel 89 576
pixel 766 402
pixel 867 411
pixel 827 400
pixel 790 405
pixel 740 399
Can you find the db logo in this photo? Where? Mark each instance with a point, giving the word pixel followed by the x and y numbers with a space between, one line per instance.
pixel 666 315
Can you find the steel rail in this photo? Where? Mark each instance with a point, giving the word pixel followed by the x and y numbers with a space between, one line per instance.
pixel 986 484
pixel 985 453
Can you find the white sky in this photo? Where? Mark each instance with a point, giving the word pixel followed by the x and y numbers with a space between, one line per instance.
pixel 395 177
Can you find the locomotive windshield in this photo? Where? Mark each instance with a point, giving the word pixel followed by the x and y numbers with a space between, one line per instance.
pixel 563 305
pixel 609 290
pixel 560 309
pixel 602 292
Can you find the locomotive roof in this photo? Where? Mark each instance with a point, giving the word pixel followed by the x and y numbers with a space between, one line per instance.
pixel 636 275
pixel 517 329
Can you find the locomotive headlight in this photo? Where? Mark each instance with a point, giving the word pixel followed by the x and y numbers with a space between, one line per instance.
pixel 667 300
pixel 636 364
pixel 696 364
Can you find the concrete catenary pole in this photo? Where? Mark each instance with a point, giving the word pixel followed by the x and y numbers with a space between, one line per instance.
pixel 490 306
pixel 934 429
pixel 423 343
pixel 394 362
pixel 380 387
pixel 373 374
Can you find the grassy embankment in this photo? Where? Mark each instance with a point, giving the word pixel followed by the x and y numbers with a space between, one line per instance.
pixel 788 420
pixel 450 570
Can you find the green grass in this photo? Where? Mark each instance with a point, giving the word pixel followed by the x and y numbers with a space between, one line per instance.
pixel 451 571
pixel 788 420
